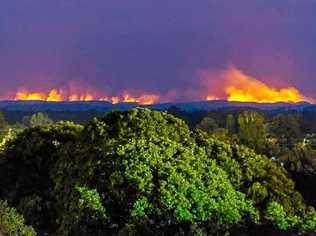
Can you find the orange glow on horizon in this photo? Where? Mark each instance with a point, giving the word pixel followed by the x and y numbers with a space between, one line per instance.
pixel 211 98
pixel 243 88
pixel 55 95
pixel 144 99
pixel 231 84
pixel 24 95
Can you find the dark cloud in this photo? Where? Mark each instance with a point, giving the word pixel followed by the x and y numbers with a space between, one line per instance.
pixel 155 46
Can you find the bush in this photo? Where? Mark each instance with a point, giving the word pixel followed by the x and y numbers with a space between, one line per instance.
pixel 276 213
pixel 11 223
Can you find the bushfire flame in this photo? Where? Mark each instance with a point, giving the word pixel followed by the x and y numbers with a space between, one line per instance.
pixel 241 87
pixel 231 84
pixel 211 98
pixel 56 95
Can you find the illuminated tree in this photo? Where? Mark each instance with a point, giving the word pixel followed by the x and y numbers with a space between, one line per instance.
pixel 252 130
pixel 38 119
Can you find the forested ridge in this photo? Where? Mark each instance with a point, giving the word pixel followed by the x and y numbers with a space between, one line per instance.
pixel 144 172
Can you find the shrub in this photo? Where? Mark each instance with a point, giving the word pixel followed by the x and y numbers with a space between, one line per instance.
pixel 11 223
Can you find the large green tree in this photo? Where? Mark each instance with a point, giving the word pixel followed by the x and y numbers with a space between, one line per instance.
pixel 145 175
pixel 287 128
pixel 37 119
pixel 252 130
pixel 25 169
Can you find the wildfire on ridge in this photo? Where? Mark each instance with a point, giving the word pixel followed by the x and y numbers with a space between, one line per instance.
pixel 56 95
pixel 211 98
pixel 243 88
pixel 232 85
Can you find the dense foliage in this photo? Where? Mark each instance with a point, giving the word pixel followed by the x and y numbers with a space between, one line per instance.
pixel 37 119
pixel 150 175
pixel 12 223
pixel 263 180
pixel 25 171
pixel 146 172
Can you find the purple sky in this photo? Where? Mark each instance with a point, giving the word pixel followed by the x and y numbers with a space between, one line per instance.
pixel 155 46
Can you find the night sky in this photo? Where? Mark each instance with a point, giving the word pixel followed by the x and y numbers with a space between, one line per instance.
pixel 155 46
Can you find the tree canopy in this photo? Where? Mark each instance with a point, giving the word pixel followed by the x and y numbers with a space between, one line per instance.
pixel 144 172
pixel 12 223
pixel 37 119
pixel 25 169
